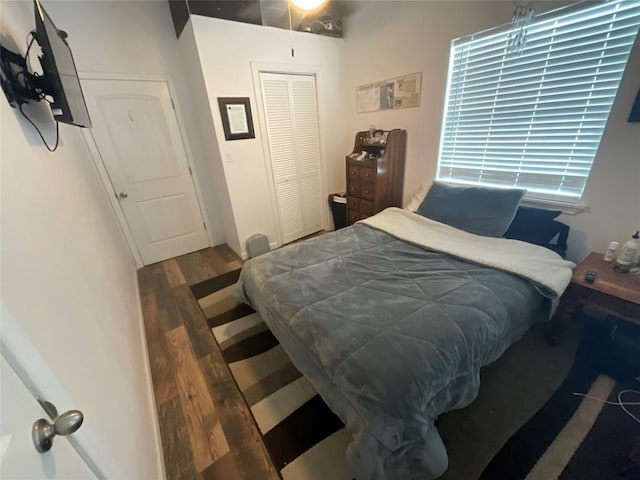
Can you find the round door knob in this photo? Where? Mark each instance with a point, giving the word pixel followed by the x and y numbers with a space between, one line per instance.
pixel 43 431
pixel 123 194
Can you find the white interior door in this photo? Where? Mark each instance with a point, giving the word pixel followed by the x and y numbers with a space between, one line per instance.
pixel 19 459
pixel 136 131
pixel 291 116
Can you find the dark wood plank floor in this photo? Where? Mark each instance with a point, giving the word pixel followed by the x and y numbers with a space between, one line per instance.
pixel 206 427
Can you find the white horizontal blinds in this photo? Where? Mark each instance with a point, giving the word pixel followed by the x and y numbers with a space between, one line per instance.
pixel 534 119
pixel 292 126
pixel 307 143
pixel 280 130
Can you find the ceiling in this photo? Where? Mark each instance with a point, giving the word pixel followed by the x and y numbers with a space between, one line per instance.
pixel 272 13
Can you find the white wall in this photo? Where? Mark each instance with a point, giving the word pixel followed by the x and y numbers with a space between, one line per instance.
pixel 613 190
pixel 204 132
pixel 227 50
pixel 68 276
pixel 137 37
pixel 385 39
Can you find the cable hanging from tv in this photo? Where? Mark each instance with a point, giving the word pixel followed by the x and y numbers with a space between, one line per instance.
pixel 59 81
pixel 55 146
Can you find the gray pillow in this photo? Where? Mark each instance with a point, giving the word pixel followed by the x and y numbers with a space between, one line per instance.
pixel 480 210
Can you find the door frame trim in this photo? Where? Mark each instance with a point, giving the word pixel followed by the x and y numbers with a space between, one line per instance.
pixel 102 170
pixel 289 69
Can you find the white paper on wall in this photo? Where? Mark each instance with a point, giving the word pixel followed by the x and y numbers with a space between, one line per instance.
pixel 394 93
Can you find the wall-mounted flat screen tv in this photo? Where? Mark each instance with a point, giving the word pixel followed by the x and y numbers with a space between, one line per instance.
pixel 60 71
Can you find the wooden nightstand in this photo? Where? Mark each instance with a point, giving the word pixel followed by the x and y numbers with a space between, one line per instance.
pixel 612 291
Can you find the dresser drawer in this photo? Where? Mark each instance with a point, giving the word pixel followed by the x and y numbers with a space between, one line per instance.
pixel 365 207
pixel 353 203
pixel 354 189
pixel 354 216
pixel 367 174
pixel 353 173
pixel 367 190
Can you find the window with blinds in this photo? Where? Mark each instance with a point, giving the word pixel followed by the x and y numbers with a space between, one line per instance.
pixel 534 118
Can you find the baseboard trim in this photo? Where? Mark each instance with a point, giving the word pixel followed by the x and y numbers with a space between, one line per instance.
pixel 147 372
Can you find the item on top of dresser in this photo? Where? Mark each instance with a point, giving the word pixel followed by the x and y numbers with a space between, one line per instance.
pixel 611 251
pixel 629 250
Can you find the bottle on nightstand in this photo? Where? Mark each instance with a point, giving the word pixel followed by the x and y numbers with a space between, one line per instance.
pixel 629 250
pixel 611 251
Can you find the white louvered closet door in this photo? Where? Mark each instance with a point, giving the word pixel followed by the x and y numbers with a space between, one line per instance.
pixel 294 145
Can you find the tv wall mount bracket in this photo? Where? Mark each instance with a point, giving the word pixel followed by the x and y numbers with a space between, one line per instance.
pixel 18 83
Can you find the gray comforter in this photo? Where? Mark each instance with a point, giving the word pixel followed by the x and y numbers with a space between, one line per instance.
pixel 391 335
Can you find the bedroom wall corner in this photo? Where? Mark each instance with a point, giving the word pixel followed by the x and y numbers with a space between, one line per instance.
pixel 204 132
pixel 227 50
pixel 386 39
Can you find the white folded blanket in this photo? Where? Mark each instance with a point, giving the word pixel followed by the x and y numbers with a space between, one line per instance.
pixel 546 269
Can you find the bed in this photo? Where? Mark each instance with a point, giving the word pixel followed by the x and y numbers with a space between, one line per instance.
pixel 391 320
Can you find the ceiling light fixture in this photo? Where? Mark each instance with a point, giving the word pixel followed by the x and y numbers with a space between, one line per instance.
pixel 308 4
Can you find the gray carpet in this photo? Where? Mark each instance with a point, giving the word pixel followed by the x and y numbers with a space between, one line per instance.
pixel 512 390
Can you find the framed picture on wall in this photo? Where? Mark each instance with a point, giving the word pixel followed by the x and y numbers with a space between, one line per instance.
pixel 634 116
pixel 236 118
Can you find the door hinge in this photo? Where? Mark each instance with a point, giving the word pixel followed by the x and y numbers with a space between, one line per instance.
pixel 173 105
pixel 190 172
pixel 204 225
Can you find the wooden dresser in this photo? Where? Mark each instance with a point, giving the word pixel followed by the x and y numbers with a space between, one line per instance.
pixel 375 180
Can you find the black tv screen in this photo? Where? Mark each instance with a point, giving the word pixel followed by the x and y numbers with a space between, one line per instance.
pixel 60 72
